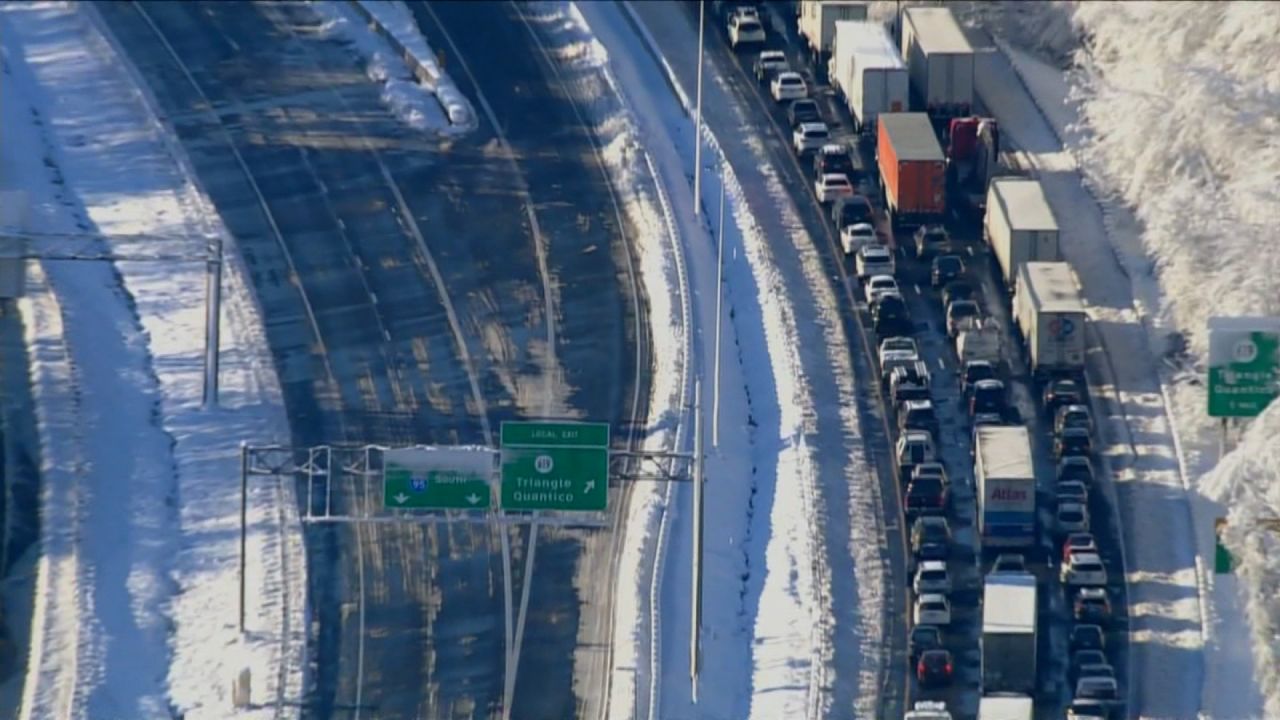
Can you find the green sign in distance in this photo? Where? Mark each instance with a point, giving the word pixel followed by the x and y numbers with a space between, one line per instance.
pixel 555 466
pixel 418 481
pixel 1244 365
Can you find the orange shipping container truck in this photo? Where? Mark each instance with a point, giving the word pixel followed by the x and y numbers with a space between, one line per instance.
pixel 913 170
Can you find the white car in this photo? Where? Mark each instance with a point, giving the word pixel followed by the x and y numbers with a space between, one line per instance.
pixel 831 186
pixel 788 86
pixel 1071 517
pixel 769 62
pixel 879 285
pixel 932 609
pixel 932 578
pixel 898 344
pixel 874 260
pixel 745 31
pixel 929 710
pixel 1084 569
pixel 808 137
pixel 856 236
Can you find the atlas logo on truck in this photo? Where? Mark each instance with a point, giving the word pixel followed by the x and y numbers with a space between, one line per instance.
pixel 1006 494
pixel 1061 327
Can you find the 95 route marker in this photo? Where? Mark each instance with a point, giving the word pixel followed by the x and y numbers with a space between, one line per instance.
pixel 444 479
pixel 555 466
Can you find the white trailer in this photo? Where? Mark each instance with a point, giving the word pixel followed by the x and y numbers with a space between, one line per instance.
pixel 818 18
pixel 1009 633
pixel 1049 312
pixel 1006 706
pixel 940 61
pixel 1019 226
pixel 1006 483
pixel 866 69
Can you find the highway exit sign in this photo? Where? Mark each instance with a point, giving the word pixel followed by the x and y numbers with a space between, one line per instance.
pixel 428 478
pixel 555 466
pixel 1244 365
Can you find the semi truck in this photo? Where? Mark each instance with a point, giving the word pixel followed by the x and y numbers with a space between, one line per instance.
pixel 939 61
pixel 1006 706
pixel 866 69
pixel 912 169
pixel 1019 226
pixel 1050 314
pixel 1006 484
pixel 1009 633
pixel 817 24
pixel 973 159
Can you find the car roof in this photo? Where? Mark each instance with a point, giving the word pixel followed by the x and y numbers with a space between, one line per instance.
pixel 1075 460
pixel 861 227
pixel 928 520
pixel 931 598
pixel 1091 592
pixel 834 149
pixel 875 250
pixel 1086 558
pixel 813 126
pixel 841 177
pixel 913 404
pixel 988 382
pixel 1081 536
pixel 772 54
pixel 1071 506
pixel 789 75
pixel 917 435
pixel 933 565
pixel 1106 681
pixel 964 302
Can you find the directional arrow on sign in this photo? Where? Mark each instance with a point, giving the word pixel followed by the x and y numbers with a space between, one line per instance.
pixel 401 498
pixel 591 485
pixel 473 498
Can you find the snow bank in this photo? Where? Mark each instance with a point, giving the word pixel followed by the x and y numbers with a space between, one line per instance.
pixel 137 589
pixel 1043 26
pixel 414 86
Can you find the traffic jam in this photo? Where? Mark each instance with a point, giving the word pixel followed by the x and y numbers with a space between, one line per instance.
pixel 977 333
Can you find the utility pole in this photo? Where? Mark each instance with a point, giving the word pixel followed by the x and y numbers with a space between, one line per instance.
pixel 715 384
pixel 697 117
pixel 695 624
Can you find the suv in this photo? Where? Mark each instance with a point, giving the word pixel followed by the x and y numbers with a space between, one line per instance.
pixel 1092 606
pixel 988 397
pixel 873 260
pixel 1078 543
pixel 809 136
pixel 1071 517
pixel 1071 416
pixel 972 373
pixel 931 577
pixel 930 538
pixel 770 63
pixel 889 316
pixel 1072 442
pixel 858 235
pixel 899 343
pixel 909 383
pixel 1009 563
pixel 925 495
pixel 851 211
pixel 833 158
pixel 744 30
pixel 913 448
pixel 803 111
pixel 923 638
pixel 788 86
pixel 1076 467
pixel 958 290
pixel 962 314
pixel 945 269
pixel 1083 568
pixel 929 239
pixel 918 415
pixel 1059 393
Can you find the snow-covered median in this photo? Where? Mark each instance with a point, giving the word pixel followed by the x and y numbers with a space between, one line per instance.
pixel 136 607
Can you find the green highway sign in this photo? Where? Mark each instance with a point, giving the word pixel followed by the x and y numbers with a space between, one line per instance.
pixel 422 478
pixel 555 466
pixel 1244 365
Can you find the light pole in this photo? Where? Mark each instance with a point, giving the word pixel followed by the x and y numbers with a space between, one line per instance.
pixel 697 117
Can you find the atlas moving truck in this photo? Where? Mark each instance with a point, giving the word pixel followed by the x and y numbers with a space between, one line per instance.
pixel 817 24
pixel 1006 484
pixel 1049 312
pixel 1019 226
pixel 912 169
pixel 868 72
pixel 1008 641
pixel 1006 706
pixel 939 61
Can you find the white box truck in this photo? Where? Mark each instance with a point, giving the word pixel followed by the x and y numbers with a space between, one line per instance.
pixel 939 60
pixel 817 23
pixel 1049 312
pixel 866 69
pixel 1006 483
pixel 1006 706
pixel 1019 225
pixel 1009 633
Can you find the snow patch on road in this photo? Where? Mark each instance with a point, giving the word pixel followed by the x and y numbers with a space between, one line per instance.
pixel 137 584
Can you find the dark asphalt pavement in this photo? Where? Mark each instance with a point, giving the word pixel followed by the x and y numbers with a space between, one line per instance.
pixel 359 332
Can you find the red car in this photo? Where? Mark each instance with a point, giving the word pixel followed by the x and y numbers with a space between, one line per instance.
pixel 934 668
pixel 1078 543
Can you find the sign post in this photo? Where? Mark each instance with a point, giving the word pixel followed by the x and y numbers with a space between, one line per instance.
pixel 1244 358
pixel 555 466
pixel 422 478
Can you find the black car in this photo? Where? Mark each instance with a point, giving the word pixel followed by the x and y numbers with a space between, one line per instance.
pixel 1072 442
pixel 1075 467
pixel 803 111
pixel 974 372
pixel 1087 637
pixel 933 669
pixel 945 269
pixel 931 538
pixel 958 290
pixel 1060 393
pixel 1091 605
pixel 833 158
pixel 851 211
pixel 922 638
pixel 925 495
pixel 929 239
pixel 988 397
pixel 1082 658
pixel 889 317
